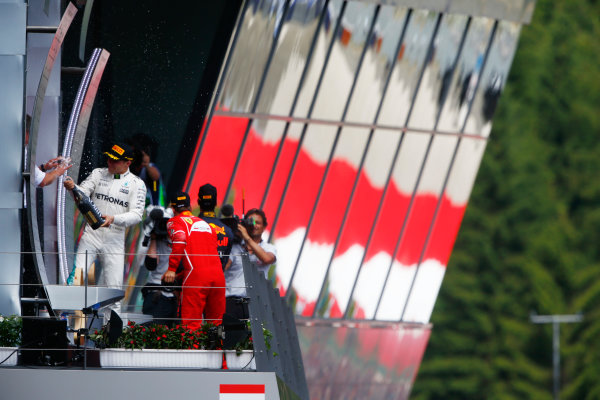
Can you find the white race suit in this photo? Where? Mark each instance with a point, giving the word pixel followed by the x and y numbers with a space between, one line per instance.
pixel 122 196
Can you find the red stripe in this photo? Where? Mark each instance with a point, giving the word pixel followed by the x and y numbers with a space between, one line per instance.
pixel 242 389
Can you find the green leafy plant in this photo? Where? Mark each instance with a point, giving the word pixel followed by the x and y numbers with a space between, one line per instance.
pixel 248 344
pixel 10 331
pixel 268 337
pixel 136 336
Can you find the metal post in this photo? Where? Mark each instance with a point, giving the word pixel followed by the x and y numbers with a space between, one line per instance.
pixel 556 320
pixel 555 358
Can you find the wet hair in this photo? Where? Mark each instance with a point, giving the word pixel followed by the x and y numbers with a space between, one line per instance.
pixel 259 212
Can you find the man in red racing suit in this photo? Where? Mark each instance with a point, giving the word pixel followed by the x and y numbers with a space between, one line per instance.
pixel 203 282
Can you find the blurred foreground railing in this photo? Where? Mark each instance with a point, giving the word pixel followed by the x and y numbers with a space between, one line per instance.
pixel 59 331
pixel 270 314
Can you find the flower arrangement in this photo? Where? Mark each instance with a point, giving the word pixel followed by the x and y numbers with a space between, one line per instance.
pixel 10 331
pixel 137 336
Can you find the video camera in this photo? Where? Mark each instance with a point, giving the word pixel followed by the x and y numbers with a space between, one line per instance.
pixel 231 220
pixel 156 223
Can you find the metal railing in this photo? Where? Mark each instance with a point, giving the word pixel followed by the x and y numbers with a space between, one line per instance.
pixel 275 340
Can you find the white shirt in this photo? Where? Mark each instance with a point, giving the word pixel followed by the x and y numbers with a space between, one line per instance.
pixel 234 276
pixel 39 176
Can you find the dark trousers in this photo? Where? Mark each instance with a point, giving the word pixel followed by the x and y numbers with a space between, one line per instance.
pixel 237 307
pixel 159 307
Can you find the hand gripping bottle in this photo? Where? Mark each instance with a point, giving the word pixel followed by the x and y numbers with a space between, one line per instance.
pixel 88 209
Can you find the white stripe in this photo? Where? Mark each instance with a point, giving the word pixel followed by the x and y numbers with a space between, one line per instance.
pixel 242 396
pixel 191 267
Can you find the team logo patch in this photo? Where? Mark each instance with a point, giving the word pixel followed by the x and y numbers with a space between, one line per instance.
pixel 219 230
pixel 117 149
pixel 201 226
pixel 188 220
pixel 124 188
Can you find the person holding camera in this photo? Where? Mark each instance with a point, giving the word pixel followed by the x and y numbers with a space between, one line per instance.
pixel 261 253
pixel 207 200
pixel 159 301
pixel 194 243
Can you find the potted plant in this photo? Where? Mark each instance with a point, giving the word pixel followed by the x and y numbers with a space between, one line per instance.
pixel 160 346
pixel 242 355
pixel 10 338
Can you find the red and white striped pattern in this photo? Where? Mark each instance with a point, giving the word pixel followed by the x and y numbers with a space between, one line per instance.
pixel 242 392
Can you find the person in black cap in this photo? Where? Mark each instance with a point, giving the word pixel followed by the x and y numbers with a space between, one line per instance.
pixel 207 200
pixel 120 197
pixel 194 242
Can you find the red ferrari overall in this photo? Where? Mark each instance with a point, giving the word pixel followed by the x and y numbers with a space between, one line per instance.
pixel 203 290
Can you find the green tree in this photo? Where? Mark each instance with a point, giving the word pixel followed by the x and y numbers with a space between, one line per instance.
pixel 529 239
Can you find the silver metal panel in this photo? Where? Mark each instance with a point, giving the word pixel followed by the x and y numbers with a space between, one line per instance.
pixel 290 58
pixel 12 21
pixel 125 384
pixel 79 297
pixel 431 182
pixel 438 73
pixel 368 210
pixel 11 121
pixel 327 222
pixel 380 56
pixel 405 180
pixel 46 136
pixel 316 66
pixel 345 59
pixel 11 200
pixel 37 51
pixel 48 148
pixel 10 260
pixel 73 148
pixel 359 360
pixel 405 78
pixel 318 142
pixel 445 227
pixel 12 50
pixel 242 79
pixel 493 78
pixel 43 13
pixel 466 76
pixel 512 10
pixel 257 162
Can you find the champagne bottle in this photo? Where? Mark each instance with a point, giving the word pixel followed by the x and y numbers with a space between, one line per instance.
pixel 88 209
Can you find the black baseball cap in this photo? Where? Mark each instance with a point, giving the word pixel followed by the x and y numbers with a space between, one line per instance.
pixel 207 196
pixel 180 200
pixel 120 151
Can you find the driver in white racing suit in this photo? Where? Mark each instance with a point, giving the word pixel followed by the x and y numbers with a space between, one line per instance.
pixel 120 196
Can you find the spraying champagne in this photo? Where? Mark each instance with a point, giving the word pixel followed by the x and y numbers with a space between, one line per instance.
pixel 88 209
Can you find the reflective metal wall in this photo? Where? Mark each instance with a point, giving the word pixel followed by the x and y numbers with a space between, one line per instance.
pixel 359 128
pixel 12 86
